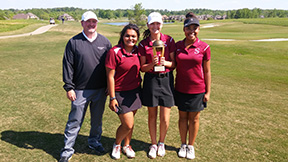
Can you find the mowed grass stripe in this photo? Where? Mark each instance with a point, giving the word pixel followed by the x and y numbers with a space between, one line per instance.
pixel 246 119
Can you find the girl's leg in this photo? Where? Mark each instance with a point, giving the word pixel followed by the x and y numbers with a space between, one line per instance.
pixel 183 126
pixel 127 139
pixel 193 126
pixel 152 124
pixel 164 122
pixel 127 123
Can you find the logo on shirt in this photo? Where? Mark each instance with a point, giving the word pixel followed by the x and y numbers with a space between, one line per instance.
pixel 197 51
pixel 101 48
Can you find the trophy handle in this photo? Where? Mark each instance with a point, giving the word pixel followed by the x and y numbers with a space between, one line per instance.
pixel 154 51
pixel 162 52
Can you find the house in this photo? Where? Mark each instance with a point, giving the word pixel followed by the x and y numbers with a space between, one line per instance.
pixel 25 16
pixel 67 17
pixel 21 16
pixel 32 16
pixel 165 17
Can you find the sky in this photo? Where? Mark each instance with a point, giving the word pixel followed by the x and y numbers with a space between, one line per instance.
pixel 171 5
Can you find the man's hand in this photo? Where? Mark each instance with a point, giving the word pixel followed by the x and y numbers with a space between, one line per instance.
pixel 71 95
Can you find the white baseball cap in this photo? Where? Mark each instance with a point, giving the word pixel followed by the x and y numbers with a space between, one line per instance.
pixel 89 15
pixel 155 17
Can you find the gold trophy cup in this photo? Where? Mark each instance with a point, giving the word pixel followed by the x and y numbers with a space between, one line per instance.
pixel 158 51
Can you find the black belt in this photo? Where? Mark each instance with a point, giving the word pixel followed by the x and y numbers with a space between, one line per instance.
pixel 160 75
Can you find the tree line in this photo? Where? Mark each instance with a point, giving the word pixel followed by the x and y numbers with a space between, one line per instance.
pixel 119 13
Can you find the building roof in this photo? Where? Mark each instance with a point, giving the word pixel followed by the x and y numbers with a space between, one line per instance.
pixel 21 16
pixel 25 16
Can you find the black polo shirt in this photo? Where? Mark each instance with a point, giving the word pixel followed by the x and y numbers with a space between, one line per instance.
pixel 84 63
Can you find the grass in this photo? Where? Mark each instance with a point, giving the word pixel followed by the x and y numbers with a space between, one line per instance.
pixel 246 119
pixel 268 21
pixel 12 27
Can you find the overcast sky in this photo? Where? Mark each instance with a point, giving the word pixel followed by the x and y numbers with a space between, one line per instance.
pixel 174 5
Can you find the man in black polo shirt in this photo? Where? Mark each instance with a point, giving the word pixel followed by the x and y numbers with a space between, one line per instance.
pixel 85 83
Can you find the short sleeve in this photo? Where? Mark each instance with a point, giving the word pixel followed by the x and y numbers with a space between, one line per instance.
pixel 207 53
pixel 110 61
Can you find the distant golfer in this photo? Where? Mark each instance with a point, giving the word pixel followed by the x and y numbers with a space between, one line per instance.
pixel 85 82
pixel 192 86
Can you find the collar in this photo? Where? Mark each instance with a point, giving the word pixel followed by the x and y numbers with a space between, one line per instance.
pixel 195 44
pixel 134 51
pixel 162 38
pixel 92 39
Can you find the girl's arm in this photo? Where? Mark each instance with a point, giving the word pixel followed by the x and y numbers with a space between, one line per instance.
pixel 207 78
pixel 111 88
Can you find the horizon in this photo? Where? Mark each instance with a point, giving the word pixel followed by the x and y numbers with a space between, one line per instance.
pixel 170 5
pixel 144 9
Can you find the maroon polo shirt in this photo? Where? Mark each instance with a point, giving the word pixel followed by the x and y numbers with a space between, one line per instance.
pixel 190 75
pixel 145 49
pixel 126 66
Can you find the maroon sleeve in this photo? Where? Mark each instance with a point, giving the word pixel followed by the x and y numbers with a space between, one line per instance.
pixel 207 53
pixel 110 61
pixel 172 46
pixel 141 48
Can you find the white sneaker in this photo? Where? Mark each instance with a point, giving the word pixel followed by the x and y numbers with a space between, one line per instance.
pixel 190 152
pixel 152 151
pixel 129 151
pixel 182 151
pixel 116 151
pixel 161 149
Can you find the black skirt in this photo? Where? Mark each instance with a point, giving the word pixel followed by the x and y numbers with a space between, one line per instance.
pixel 189 102
pixel 129 100
pixel 158 90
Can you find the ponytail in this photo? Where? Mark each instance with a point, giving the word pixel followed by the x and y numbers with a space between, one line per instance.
pixel 146 34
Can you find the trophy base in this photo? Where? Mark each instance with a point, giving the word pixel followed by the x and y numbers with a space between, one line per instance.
pixel 159 68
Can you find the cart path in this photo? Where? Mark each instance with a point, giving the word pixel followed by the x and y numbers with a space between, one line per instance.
pixel 40 30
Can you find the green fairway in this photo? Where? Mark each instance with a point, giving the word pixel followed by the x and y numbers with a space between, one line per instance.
pixel 13 27
pixel 246 118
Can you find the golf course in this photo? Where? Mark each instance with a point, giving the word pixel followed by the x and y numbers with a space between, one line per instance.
pixel 246 119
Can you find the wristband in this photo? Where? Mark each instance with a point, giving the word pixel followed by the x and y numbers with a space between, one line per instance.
pixel 112 98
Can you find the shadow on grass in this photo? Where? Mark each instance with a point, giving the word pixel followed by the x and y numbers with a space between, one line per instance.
pixel 52 143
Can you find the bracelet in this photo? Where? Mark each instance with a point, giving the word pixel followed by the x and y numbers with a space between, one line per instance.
pixel 112 98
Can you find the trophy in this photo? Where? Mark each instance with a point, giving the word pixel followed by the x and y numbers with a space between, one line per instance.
pixel 158 51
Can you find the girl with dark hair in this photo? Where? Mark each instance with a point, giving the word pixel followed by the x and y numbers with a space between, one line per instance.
pixel 192 84
pixel 124 81
pixel 190 15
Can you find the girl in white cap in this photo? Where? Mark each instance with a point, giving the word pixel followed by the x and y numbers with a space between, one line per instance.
pixel 157 85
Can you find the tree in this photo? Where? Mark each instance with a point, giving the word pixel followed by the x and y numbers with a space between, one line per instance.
pixel 119 13
pixel 110 14
pixel 272 13
pixel 256 13
pixel 102 14
pixel 137 16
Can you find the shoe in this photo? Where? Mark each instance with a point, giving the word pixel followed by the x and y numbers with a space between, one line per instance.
pixel 190 152
pixel 182 151
pixel 161 149
pixel 152 151
pixel 65 158
pixel 99 149
pixel 116 151
pixel 129 151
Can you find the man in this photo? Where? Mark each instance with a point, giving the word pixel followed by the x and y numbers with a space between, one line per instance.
pixel 85 83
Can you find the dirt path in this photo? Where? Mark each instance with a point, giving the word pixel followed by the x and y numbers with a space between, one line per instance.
pixel 40 30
